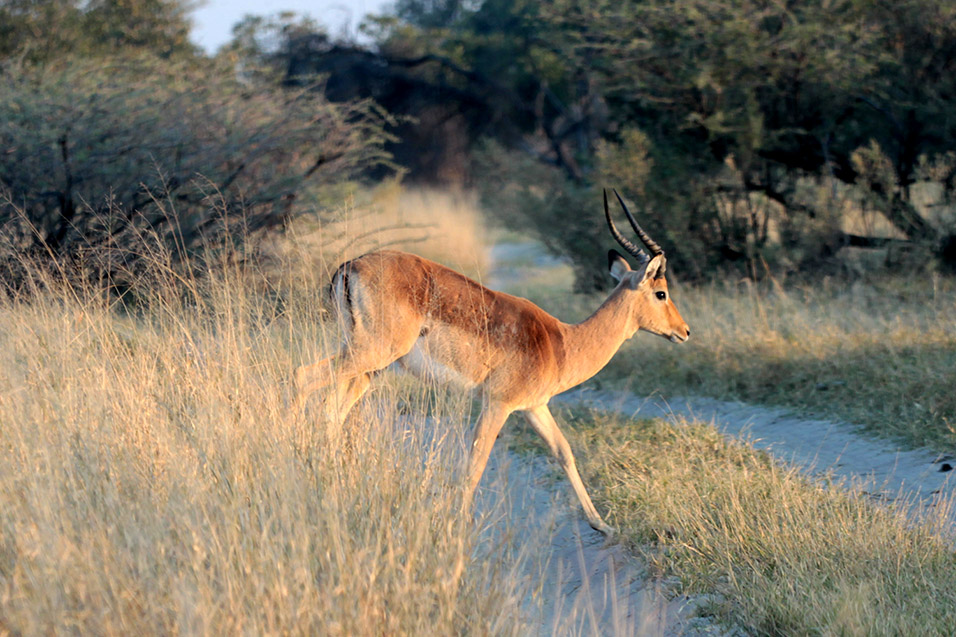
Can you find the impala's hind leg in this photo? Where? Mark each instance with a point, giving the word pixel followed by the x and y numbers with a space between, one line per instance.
pixel 349 383
pixel 350 374
pixel 376 332
pixel 310 378
pixel 347 393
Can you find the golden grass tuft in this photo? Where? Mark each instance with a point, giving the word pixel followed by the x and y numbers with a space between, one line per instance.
pixel 445 226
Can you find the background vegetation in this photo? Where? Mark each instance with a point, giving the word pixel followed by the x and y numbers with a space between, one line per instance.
pixel 138 140
pixel 168 218
pixel 752 134
pixel 755 137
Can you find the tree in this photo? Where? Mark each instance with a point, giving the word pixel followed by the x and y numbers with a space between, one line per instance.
pixel 752 122
pixel 459 71
pixel 783 92
pixel 103 155
pixel 44 30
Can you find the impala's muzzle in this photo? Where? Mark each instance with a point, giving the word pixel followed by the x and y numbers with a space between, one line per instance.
pixel 678 337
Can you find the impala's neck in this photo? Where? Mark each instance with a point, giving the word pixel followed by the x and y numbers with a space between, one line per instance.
pixel 591 344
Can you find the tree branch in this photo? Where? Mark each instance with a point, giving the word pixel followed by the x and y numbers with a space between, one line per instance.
pixel 67 205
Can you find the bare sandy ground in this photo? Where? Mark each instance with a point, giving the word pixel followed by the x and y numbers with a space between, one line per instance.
pixel 577 583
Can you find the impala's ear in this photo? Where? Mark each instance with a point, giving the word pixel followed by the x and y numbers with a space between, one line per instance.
pixel 654 268
pixel 617 265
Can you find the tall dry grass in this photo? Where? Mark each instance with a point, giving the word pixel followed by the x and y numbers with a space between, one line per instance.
pixel 881 354
pixel 152 480
pixel 445 226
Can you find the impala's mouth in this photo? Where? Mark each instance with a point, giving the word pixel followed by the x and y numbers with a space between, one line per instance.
pixel 678 338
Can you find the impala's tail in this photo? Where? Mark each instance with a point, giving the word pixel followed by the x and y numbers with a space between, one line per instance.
pixel 310 378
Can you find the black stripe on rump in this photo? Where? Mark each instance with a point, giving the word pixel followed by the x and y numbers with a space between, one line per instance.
pixel 344 273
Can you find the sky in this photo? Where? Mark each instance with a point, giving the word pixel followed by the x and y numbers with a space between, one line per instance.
pixel 213 22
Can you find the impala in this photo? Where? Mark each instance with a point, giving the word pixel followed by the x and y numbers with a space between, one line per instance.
pixel 396 308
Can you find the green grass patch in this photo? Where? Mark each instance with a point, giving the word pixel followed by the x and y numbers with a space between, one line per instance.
pixel 788 555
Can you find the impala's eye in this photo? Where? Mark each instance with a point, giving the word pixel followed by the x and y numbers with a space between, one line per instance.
pixel 662 296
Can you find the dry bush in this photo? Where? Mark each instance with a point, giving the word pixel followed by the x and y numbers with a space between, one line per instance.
pixel 103 157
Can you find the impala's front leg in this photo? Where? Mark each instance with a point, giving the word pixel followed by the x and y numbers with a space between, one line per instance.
pixel 493 417
pixel 542 421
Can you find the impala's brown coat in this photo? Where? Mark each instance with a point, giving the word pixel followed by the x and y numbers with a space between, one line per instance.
pixel 398 308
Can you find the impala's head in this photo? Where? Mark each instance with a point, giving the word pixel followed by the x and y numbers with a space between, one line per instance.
pixel 645 286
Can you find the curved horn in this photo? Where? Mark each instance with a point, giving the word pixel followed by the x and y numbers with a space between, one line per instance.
pixel 632 249
pixel 650 243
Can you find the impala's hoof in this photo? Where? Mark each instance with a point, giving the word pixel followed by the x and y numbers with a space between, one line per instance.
pixel 606 529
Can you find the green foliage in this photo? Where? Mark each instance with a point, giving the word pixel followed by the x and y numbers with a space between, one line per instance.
pixel 568 217
pixel 567 220
pixel 785 92
pixel 627 163
pixel 491 58
pixel 103 156
pixel 739 126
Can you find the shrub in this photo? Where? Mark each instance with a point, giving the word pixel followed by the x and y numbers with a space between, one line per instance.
pixel 101 158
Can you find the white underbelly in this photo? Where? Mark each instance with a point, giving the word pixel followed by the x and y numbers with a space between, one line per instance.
pixel 419 363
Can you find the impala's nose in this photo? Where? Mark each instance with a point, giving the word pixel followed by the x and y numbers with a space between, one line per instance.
pixel 678 337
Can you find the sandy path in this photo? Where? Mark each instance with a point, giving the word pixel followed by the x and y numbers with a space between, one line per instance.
pixel 880 468
pixel 577 583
